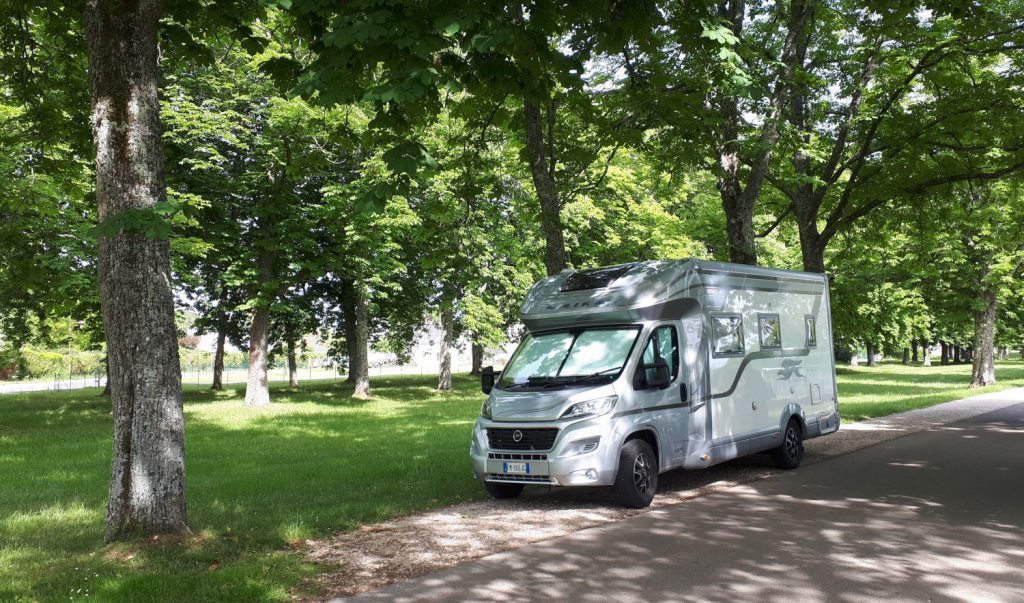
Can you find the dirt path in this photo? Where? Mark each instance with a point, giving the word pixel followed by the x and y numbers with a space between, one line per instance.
pixel 388 552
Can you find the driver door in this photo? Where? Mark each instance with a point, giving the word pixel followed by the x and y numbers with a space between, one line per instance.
pixel 665 406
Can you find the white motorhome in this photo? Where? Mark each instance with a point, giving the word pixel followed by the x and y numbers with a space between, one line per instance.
pixel 631 370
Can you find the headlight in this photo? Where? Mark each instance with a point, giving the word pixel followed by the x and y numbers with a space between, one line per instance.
pixel 590 408
pixel 485 409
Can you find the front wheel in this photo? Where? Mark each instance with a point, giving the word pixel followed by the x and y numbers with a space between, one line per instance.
pixel 637 478
pixel 789 454
pixel 502 490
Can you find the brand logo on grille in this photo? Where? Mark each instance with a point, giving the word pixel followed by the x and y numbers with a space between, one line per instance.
pixel 517 436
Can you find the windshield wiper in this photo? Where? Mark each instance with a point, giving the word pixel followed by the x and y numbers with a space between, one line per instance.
pixel 574 379
pixel 561 381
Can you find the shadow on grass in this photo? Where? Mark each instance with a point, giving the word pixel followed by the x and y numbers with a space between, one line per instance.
pixel 257 479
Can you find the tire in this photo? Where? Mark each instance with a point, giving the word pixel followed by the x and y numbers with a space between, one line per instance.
pixel 637 478
pixel 502 490
pixel 790 453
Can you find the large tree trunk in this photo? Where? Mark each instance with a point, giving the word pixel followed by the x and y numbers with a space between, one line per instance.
pixel 478 359
pixel 812 247
pixel 983 371
pixel 218 361
pixel 739 219
pixel 444 378
pixel 944 359
pixel 293 366
pixel 542 169
pixel 359 363
pixel 871 355
pixel 956 354
pixel 906 355
pixel 914 345
pixel 348 315
pixel 147 479
pixel 257 391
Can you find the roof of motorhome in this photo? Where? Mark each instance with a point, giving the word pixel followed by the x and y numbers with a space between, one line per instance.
pixel 622 292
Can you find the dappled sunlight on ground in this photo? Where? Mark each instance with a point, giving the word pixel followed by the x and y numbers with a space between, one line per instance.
pixel 946 528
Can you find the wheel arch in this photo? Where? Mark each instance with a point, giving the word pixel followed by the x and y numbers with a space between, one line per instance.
pixel 791 412
pixel 649 435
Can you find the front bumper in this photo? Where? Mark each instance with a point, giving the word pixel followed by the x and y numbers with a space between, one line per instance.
pixel 585 453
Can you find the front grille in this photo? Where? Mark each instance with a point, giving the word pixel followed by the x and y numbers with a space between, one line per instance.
pixel 519 479
pixel 503 438
pixel 516 456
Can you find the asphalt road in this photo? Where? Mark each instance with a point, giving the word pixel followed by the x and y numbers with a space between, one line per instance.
pixel 934 516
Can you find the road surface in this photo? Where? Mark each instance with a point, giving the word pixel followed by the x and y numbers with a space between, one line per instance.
pixel 934 516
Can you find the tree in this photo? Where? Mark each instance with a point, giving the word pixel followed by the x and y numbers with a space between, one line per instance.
pixel 147 484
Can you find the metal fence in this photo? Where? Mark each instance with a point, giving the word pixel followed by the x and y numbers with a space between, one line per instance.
pixel 229 376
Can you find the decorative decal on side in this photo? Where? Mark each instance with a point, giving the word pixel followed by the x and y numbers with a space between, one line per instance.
pixel 574 305
pixel 790 368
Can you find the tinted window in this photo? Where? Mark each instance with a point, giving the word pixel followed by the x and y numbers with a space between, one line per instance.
pixel 770 329
pixel 727 335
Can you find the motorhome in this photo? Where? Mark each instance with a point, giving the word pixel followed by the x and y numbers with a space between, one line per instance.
pixel 629 371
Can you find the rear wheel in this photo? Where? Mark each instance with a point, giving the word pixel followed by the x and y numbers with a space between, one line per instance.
pixel 637 478
pixel 501 490
pixel 789 454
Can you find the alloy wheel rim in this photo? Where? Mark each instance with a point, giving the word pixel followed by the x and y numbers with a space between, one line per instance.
pixel 792 443
pixel 642 474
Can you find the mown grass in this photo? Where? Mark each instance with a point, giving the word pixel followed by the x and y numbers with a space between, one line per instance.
pixel 261 481
pixel 893 387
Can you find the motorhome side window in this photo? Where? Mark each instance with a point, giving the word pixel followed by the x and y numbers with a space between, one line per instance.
pixel 727 332
pixel 664 344
pixel 770 328
pixel 812 331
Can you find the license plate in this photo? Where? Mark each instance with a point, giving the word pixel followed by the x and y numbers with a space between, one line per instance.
pixel 517 467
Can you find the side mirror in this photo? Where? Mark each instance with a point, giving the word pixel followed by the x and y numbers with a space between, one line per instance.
pixel 656 375
pixel 487 379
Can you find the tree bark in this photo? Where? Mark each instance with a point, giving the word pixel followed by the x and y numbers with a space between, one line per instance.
pixel 444 378
pixel 359 363
pixel 478 359
pixel 906 355
pixel 348 312
pixel 812 245
pixel 945 353
pixel 871 355
pixel 293 366
pixel 914 345
pixel 983 369
pixel 147 479
pixel 257 391
pixel 218 361
pixel 956 354
pixel 542 169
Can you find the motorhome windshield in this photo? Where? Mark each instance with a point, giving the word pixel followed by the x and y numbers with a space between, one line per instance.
pixel 573 357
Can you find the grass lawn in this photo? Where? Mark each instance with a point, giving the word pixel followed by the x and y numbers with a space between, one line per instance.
pixel 259 481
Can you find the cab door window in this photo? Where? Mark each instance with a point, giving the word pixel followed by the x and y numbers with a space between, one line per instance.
pixel 663 344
